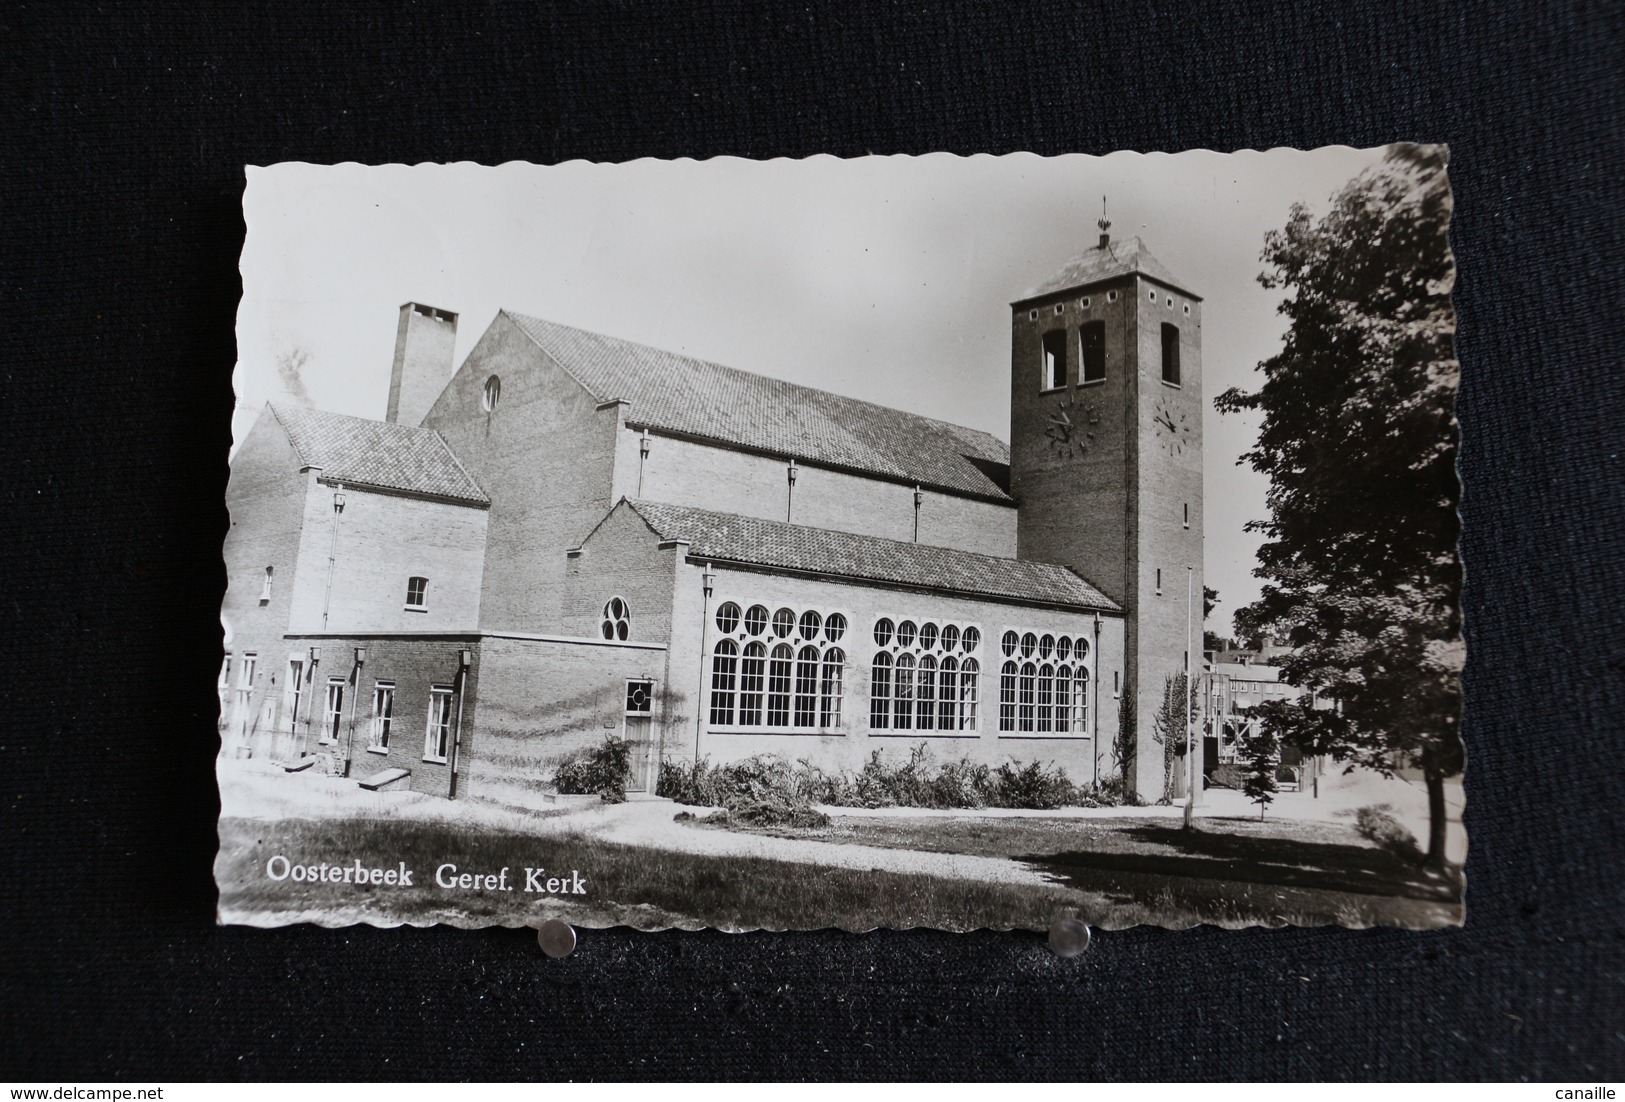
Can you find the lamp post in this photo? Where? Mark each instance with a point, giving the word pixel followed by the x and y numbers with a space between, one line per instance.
pixel 1190 740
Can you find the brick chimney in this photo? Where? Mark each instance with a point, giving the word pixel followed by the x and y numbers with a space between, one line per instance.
pixel 425 342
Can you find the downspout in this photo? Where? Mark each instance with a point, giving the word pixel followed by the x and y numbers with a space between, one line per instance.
pixel 709 580
pixel 465 657
pixel 349 737
pixel 1094 702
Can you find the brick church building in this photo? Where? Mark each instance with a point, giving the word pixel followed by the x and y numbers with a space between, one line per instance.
pixel 572 535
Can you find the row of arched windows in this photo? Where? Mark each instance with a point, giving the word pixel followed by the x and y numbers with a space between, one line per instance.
pixel 924 693
pixel 797 683
pixel 785 687
pixel 918 680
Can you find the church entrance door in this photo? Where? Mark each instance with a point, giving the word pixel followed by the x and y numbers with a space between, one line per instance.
pixel 638 732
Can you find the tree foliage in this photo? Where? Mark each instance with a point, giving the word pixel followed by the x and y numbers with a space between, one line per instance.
pixel 1358 439
pixel 1169 726
pixel 1260 758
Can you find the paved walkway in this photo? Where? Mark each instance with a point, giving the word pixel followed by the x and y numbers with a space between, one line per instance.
pixel 649 823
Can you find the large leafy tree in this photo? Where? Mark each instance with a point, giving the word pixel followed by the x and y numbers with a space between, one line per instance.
pixel 1358 440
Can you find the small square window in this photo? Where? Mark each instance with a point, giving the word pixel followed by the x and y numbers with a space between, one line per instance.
pixel 416 591
pixel 1083 303
pixel 1059 308
pixel 1170 302
pixel 1111 296
pixel 1152 295
pixel 1187 309
pixel 1032 315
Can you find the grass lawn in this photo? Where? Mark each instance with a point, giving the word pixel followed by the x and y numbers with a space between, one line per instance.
pixel 1113 873
pixel 626 885
pixel 1227 872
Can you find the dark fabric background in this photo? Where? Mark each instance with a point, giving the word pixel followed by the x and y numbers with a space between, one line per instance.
pixel 122 145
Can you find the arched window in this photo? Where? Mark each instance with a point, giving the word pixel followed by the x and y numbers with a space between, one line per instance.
pixel 1007 697
pixel 778 686
pixel 829 692
pixel 880 692
pixel 968 676
pixel 1063 699
pixel 948 694
pixel 1046 698
pixel 925 694
pixel 617 620
pixel 807 686
pixel 752 682
pixel 903 693
pixel 1024 698
pixel 723 671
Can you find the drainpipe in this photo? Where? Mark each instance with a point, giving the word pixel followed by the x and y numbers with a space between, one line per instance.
pixel 710 581
pixel 918 497
pixel 349 737
pixel 643 457
pixel 465 658
pixel 1094 701
pixel 790 495
pixel 332 551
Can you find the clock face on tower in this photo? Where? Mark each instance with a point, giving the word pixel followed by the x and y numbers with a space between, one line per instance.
pixel 1173 429
pixel 1071 427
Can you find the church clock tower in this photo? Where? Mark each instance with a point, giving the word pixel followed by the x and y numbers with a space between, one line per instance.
pixel 1106 464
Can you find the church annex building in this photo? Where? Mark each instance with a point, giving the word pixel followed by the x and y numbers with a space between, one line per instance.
pixel 572 535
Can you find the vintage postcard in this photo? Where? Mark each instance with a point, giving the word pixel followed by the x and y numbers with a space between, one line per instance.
pixel 901 541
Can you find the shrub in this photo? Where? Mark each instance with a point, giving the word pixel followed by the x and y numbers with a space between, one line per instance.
pixel 767 788
pixel 602 771
pixel 760 791
pixel 1376 825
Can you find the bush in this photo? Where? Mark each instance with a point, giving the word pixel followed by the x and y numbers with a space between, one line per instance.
pixel 759 791
pixel 767 789
pixel 1376 825
pixel 602 771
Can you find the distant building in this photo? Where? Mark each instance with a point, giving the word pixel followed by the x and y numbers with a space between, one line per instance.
pixel 572 535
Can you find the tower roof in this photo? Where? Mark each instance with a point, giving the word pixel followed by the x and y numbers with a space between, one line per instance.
pixel 680 394
pixel 1108 261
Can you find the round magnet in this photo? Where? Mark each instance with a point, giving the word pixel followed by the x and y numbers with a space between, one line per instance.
pixel 1068 936
pixel 558 938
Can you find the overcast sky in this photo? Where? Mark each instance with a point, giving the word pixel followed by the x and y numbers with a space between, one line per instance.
pixel 884 278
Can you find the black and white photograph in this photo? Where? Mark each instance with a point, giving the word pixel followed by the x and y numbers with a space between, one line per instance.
pixel 950 542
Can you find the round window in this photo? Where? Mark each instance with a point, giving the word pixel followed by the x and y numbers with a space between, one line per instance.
pixel 1063 648
pixel 883 630
pixel 928 636
pixel 756 620
pixel 1009 643
pixel 784 622
pixel 905 633
pixel 493 393
pixel 834 627
pixel 970 639
pixel 950 638
pixel 810 623
pixel 728 618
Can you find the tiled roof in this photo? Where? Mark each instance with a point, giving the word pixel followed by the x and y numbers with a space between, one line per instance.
pixel 1118 258
pixel 378 454
pixel 685 395
pixel 729 537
